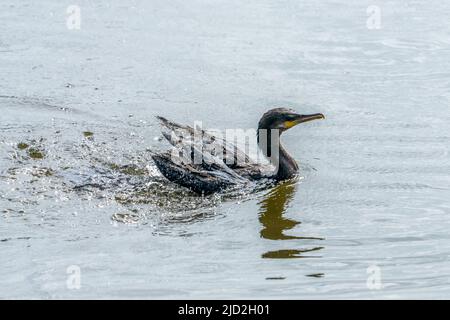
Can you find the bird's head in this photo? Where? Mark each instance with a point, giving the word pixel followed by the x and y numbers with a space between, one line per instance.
pixel 284 119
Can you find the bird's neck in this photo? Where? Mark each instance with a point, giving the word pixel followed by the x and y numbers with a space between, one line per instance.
pixel 287 166
pixel 271 147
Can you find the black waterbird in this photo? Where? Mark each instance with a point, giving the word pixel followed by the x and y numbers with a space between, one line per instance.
pixel 233 167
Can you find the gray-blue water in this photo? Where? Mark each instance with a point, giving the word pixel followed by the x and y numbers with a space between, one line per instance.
pixel 368 219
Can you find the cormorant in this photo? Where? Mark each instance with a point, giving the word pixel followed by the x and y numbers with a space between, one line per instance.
pixel 206 163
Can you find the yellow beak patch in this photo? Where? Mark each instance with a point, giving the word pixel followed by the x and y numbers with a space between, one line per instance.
pixel 290 124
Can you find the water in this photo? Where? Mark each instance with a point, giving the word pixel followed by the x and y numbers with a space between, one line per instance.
pixel 373 196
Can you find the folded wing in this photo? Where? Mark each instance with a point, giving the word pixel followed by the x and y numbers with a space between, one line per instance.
pixel 202 161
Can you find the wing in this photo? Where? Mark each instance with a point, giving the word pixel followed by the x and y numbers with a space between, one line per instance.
pixel 192 176
pixel 202 161
pixel 182 136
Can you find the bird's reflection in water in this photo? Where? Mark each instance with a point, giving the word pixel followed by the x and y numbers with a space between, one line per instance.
pixel 274 224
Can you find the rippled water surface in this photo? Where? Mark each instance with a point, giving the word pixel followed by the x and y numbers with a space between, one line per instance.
pixel 78 188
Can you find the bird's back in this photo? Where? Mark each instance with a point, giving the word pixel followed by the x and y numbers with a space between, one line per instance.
pixel 202 161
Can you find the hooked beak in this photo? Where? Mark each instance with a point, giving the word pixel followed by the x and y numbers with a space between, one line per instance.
pixel 303 118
